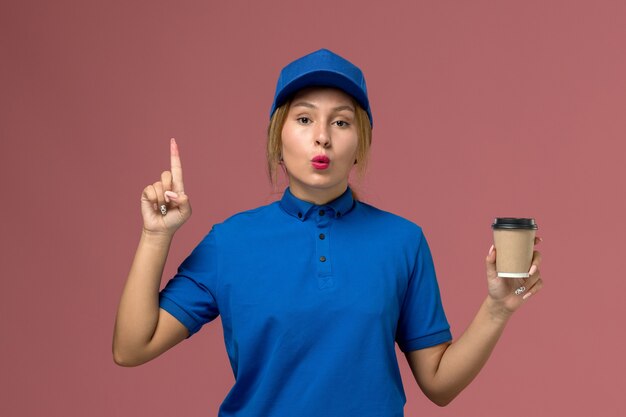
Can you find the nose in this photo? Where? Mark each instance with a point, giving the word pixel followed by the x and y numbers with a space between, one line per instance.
pixel 322 136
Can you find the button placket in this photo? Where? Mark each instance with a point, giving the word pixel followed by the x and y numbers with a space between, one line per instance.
pixel 323 258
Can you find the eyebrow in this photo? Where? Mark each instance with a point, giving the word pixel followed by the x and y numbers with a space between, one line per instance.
pixel 312 106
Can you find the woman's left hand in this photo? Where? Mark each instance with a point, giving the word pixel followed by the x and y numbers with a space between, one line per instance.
pixel 510 293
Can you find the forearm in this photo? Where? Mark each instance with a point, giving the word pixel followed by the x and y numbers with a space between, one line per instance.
pixel 465 357
pixel 138 311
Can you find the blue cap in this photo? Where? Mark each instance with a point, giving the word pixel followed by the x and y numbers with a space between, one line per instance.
pixel 325 69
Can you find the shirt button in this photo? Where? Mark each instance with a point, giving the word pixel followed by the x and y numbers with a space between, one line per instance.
pixel 299 215
pixel 322 212
pixel 322 236
pixel 322 259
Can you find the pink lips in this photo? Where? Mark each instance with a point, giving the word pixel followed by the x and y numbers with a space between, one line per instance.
pixel 320 162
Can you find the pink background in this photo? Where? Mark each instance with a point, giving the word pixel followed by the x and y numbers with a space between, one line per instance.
pixel 481 108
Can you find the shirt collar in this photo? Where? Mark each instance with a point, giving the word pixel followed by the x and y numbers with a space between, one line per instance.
pixel 300 209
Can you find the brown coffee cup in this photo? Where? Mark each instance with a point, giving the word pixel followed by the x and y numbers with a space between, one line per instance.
pixel 514 239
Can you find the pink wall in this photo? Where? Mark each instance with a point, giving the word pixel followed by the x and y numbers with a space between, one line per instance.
pixel 482 109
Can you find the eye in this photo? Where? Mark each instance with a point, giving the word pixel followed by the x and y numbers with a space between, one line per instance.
pixel 342 123
pixel 304 120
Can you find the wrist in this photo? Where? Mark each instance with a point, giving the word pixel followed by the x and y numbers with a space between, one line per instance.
pixel 157 238
pixel 497 310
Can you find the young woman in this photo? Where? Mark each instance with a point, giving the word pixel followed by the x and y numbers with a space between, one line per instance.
pixel 313 290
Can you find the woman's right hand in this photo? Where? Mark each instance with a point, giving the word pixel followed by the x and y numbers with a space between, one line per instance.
pixel 168 193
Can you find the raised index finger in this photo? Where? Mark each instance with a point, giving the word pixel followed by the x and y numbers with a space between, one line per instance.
pixel 176 167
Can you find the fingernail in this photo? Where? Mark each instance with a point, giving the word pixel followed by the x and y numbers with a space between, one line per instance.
pixel 533 269
pixel 491 249
pixel 171 194
pixel 527 295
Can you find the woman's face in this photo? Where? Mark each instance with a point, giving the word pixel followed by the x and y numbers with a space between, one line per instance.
pixel 319 143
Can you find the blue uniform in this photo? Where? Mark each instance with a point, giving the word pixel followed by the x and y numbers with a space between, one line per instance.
pixel 312 301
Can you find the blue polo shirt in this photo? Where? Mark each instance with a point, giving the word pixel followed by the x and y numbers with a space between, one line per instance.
pixel 312 301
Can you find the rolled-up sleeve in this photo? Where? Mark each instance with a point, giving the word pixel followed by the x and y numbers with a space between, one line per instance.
pixel 190 295
pixel 422 321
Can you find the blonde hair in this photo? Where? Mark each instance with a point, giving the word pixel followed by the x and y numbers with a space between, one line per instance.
pixel 275 144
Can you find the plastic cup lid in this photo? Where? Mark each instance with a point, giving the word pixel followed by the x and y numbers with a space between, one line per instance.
pixel 514 223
